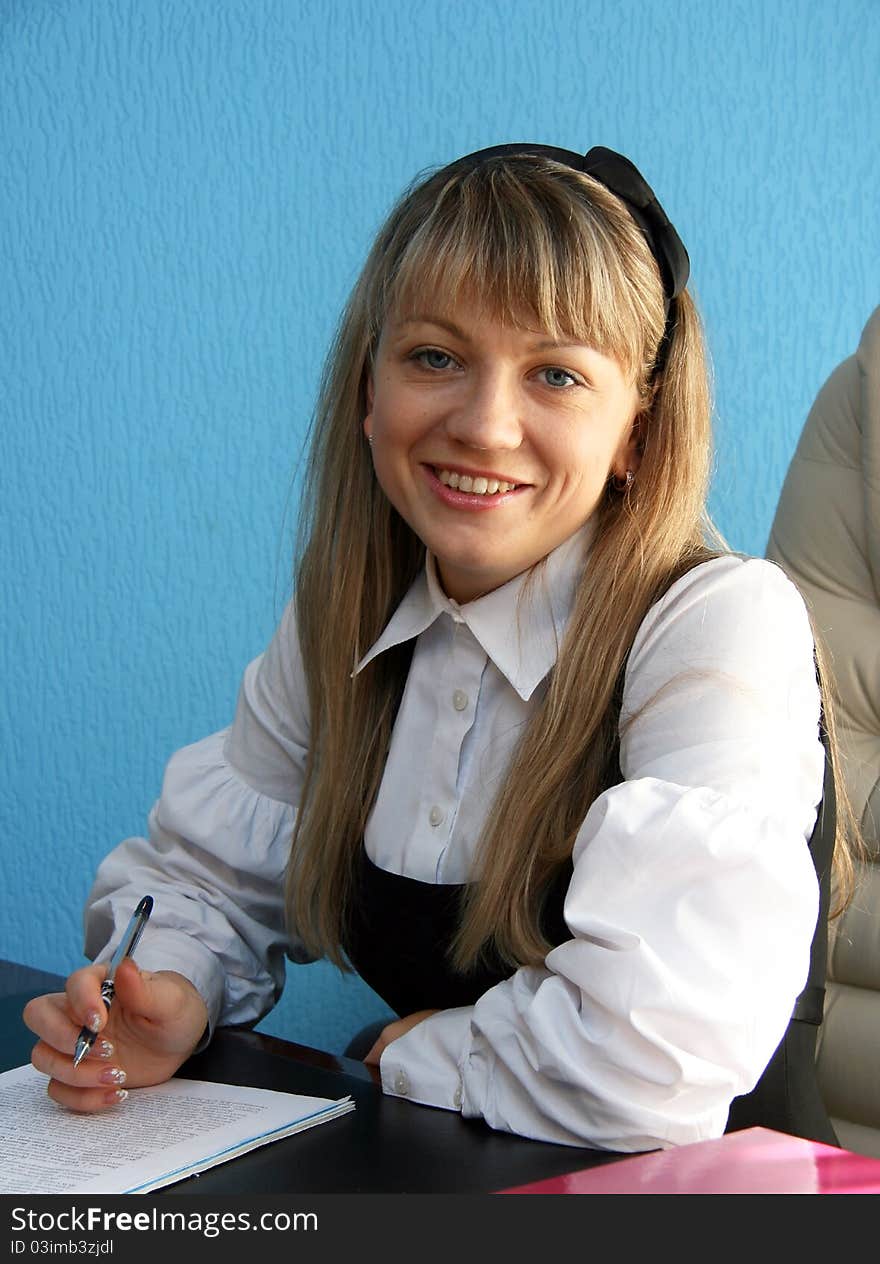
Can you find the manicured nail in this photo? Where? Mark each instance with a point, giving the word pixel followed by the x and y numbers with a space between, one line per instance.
pixel 103 1049
pixel 93 1022
pixel 119 1096
pixel 113 1075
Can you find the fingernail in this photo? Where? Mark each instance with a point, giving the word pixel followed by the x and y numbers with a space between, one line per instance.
pixel 103 1049
pixel 119 1096
pixel 93 1022
pixel 113 1075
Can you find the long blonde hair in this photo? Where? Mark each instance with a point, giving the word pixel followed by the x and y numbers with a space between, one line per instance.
pixel 543 245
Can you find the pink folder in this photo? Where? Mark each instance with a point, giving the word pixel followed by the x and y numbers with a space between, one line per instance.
pixel 753 1161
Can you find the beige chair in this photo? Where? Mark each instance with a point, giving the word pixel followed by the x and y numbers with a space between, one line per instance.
pixel 826 534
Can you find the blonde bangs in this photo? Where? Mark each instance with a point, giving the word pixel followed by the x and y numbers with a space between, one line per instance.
pixel 533 258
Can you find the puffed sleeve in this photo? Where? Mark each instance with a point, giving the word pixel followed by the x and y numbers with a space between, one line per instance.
pixel 692 903
pixel 217 846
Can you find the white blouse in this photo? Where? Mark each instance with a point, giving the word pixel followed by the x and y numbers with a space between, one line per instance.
pixel 693 898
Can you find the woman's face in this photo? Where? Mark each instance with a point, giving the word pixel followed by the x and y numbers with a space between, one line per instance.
pixel 494 443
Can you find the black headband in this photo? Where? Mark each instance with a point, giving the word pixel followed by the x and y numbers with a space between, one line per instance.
pixel 624 179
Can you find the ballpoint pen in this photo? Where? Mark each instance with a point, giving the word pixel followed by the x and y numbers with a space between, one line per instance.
pixel 126 947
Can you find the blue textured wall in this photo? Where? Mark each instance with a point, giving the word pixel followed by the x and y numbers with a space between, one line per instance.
pixel 187 190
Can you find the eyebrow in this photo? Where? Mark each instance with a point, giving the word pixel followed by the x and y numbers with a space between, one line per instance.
pixel 546 344
pixel 434 320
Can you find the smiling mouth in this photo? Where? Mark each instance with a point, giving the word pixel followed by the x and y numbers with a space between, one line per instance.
pixel 476 485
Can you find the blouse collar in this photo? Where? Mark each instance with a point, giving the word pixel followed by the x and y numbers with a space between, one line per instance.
pixel 520 625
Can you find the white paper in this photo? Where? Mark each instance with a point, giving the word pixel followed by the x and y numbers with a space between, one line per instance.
pixel 157 1136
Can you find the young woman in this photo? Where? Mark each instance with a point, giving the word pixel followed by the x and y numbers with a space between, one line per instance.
pixel 529 753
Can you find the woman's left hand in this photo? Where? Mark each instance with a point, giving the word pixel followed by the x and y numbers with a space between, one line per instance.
pixel 393 1032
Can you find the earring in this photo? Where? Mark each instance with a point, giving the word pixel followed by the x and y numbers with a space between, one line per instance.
pixel 623 484
pixel 370 440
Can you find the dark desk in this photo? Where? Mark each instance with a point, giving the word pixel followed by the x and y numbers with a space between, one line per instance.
pixel 384 1146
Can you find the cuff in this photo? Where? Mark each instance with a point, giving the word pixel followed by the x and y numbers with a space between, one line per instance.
pixel 425 1064
pixel 166 949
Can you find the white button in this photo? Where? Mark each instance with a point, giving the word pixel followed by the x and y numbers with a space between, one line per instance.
pixel 401 1083
pixel 456 1098
pixel 459 699
pixel 436 816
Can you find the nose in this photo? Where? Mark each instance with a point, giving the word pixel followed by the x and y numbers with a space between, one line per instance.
pixel 488 417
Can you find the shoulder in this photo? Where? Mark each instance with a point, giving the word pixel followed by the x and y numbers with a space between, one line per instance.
pixel 273 698
pixel 284 649
pixel 733 583
pixel 727 609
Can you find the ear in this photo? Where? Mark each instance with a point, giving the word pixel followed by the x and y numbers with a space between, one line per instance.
pixel 629 454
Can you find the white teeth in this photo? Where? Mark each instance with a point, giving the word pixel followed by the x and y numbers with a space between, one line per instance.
pixel 478 486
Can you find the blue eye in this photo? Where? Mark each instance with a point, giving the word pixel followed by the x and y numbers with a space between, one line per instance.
pixel 558 377
pixel 433 358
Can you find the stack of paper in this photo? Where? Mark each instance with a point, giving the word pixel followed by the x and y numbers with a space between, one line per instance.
pixel 158 1136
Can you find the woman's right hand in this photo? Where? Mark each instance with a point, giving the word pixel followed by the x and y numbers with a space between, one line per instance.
pixel 153 1025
